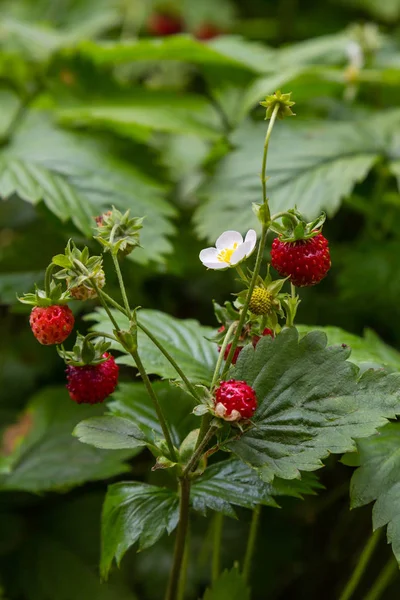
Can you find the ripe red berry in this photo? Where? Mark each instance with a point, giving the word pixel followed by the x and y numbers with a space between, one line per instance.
pixel 91 384
pixel 235 400
pixel 254 341
pixel 51 324
pixel 163 24
pixel 207 31
pixel 306 262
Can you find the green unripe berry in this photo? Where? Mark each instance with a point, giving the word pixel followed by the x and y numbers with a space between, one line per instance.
pixel 261 301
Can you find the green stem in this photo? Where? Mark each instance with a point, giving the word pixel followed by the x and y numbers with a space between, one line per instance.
pixel 157 406
pixel 171 360
pixel 385 578
pixel 173 584
pixel 241 273
pixel 115 304
pixel 362 564
pixel 204 426
pixel 216 558
pixel 221 355
pixel 121 283
pixel 47 278
pixel 104 304
pixel 94 334
pixel 194 459
pixel 292 290
pixel 251 542
pixel 261 247
pixel 184 567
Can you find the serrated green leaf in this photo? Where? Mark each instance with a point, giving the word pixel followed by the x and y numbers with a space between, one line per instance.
pixel 112 433
pixel 131 401
pixel 310 403
pixel 49 457
pixel 378 480
pixel 312 166
pixel 148 110
pixel 79 177
pixel 231 482
pixel 367 351
pixel 231 585
pixel 184 339
pixel 135 512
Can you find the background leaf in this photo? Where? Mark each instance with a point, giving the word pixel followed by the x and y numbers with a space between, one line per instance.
pixel 229 586
pixel 378 480
pixel 114 433
pixel 47 443
pixel 231 482
pixel 135 512
pixel 184 339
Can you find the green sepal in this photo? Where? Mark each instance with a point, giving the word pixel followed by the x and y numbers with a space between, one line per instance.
pixel 163 462
pixel 85 352
pixel 40 298
pixel 118 233
pixel 284 103
pixel 294 227
pixel 188 445
pixel 262 213
pixel 78 267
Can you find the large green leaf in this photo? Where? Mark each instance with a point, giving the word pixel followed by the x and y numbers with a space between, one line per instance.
pixel 226 51
pixel 367 351
pixel 144 111
pixel 378 480
pixel 231 482
pixel 78 177
pixel 113 433
pixel 311 403
pixel 135 512
pixel 231 585
pixel 185 340
pixel 131 401
pixel 48 457
pixel 311 165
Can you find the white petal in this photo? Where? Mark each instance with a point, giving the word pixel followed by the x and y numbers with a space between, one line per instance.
pixel 228 239
pixel 216 265
pixel 251 236
pixel 240 253
pixel 209 254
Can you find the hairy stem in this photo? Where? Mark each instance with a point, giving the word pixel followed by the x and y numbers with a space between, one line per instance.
pixel 184 487
pixel 157 406
pixel 251 542
pixel 194 459
pixel 171 360
pixel 121 283
pixel 261 247
pixel 104 304
pixel 216 558
pixel 221 355
pixel 362 564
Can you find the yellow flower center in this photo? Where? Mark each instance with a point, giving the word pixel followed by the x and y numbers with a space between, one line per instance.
pixel 225 255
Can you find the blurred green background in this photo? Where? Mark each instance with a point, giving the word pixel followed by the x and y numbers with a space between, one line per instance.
pixel 153 106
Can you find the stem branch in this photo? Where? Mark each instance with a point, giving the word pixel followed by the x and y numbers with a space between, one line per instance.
pixel 362 564
pixel 184 486
pixel 216 559
pixel 251 542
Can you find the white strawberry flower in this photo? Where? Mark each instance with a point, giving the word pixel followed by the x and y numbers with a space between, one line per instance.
pixel 230 250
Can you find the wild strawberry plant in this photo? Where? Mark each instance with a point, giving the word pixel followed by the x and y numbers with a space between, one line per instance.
pixel 247 411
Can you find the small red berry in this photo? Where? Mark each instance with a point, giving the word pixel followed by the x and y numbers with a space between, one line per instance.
pixel 91 384
pixel 163 24
pixel 306 262
pixel 51 324
pixel 207 31
pixel 256 338
pixel 235 400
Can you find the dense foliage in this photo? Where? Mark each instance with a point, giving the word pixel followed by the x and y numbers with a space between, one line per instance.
pixel 155 107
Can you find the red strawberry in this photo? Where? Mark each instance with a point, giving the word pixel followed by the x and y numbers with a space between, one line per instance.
pixel 207 31
pixel 51 324
pixel 163 24
pixel 235 400
pixel 91 384
pixel 306 262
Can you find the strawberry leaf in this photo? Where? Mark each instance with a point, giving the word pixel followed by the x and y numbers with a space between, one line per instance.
pixel 311 403
pixel 231 585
